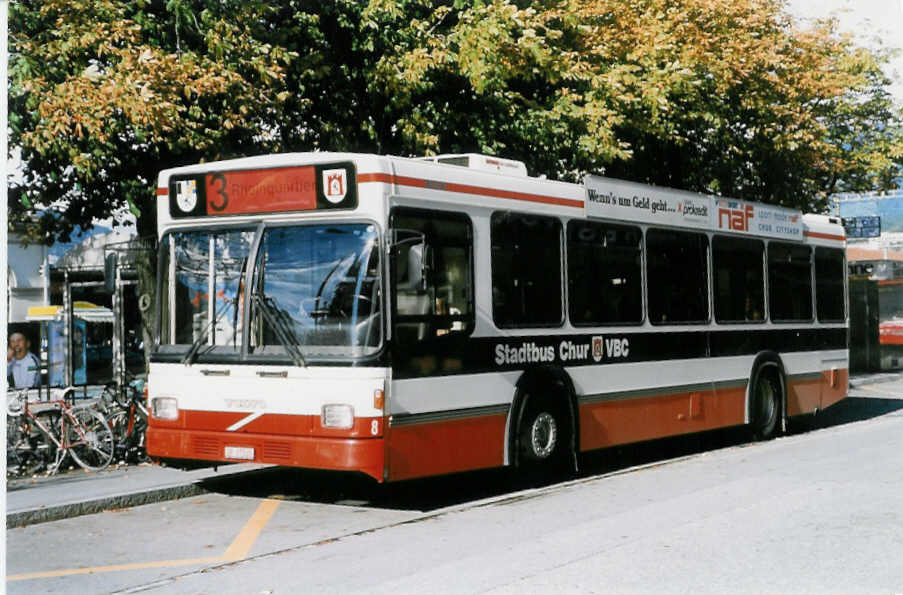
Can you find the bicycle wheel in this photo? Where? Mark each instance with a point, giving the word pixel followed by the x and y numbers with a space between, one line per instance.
pixel 21 457
pixel 119 425
pixel 90 439
pixel 138 435
pixel 44 441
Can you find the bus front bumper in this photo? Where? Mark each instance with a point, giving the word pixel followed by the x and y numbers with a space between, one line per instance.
pixel 339 454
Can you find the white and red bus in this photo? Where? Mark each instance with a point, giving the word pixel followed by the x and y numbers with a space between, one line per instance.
pixel 412 317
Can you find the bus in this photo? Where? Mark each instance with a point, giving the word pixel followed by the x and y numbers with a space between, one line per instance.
pixel 405 317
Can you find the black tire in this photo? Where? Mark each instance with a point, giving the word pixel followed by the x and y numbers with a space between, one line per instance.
pixel 92 440
pixel 765 404
pixel 129 446
pixel 43 445
pixel 118 422
pixel 543 435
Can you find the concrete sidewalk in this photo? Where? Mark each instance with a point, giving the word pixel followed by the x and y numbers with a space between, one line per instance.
pixel 38 500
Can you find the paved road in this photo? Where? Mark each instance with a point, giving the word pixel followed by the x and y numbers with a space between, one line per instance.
pixel 820 510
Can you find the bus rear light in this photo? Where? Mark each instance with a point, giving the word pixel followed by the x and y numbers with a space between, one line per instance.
pixel 337 416
pixel 165 408
pixel 379 399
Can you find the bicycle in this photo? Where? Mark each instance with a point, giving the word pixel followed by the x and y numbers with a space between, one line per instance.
pixel 127 414
pixel 26 451
pixel 41 430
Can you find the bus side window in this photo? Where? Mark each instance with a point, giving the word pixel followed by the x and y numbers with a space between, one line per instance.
pixel 829 289
pixel 677 276
pixel 526 270
pixel 789 282
pixel 432 270
pixel 739 279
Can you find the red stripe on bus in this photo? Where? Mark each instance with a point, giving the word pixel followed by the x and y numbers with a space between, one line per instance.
pixel 162 192
pixel 440 447
pixel 467 189
pixel 823 236
pixel 834 386
pixel 818 392
pixel 622 421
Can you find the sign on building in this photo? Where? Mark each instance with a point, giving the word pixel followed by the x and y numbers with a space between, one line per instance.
pixel 862 227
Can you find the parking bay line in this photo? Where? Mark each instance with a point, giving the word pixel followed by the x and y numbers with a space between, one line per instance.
pixel 237 550
pixel 241 545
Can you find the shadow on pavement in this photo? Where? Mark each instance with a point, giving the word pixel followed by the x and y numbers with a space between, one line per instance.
pixel 352 489
pixel 849 410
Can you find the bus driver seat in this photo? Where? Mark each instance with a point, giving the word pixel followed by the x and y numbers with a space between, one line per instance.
pixel 411 298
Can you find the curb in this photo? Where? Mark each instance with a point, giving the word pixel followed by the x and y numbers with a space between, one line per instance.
pixel 875 379
pixel 58 512
pixel 170 489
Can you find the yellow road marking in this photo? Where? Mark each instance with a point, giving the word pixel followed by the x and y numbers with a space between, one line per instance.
pixel 112 568
pixel 237 550
pixel 242 544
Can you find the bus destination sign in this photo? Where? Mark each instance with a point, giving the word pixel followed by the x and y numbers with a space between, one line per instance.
pixel 618 199
pixel 272 190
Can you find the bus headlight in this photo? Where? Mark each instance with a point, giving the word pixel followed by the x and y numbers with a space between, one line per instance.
pixel 165 408
pixel 337 416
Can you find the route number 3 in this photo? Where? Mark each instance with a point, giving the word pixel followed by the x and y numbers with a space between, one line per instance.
pixel 221 200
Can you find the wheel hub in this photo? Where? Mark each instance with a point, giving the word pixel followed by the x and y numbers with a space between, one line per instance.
pixel 543 435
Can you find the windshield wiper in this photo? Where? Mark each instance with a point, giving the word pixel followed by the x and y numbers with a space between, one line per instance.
pixel 196 346
pixel 274 317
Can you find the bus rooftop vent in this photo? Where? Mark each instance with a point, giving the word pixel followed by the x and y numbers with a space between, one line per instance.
pixel 482 162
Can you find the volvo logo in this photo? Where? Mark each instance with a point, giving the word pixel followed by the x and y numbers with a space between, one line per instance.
pixel 246 404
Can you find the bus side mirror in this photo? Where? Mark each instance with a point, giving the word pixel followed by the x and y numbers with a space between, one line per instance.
pixel 110 264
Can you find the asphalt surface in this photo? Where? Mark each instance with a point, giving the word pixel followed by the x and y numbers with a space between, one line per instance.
pixel 66 495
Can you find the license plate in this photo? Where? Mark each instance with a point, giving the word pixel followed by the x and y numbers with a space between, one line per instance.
pixel 240 452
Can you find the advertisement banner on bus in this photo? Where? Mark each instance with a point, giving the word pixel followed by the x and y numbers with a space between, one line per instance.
pixel 617 199
pixel 757 219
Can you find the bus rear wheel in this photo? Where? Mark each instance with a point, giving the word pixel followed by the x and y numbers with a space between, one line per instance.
pixel 543 437
pixel 765 405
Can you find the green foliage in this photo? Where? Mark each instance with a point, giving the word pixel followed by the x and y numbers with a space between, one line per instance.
pixel 722 96
pixel 105 94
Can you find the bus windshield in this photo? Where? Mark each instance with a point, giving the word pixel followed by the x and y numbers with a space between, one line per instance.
pixel 202 276
pixel 314 291
pixel 317 286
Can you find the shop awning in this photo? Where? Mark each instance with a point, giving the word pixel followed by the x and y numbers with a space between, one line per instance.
pixel 84 310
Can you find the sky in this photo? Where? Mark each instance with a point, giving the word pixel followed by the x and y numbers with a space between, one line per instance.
pixel 866 20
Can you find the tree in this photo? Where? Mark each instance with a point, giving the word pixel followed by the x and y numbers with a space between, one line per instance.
pixel 104 94
pixel 719 96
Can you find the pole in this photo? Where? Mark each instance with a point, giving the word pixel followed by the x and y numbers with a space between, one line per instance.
pixel 118 339
pixel 68 316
